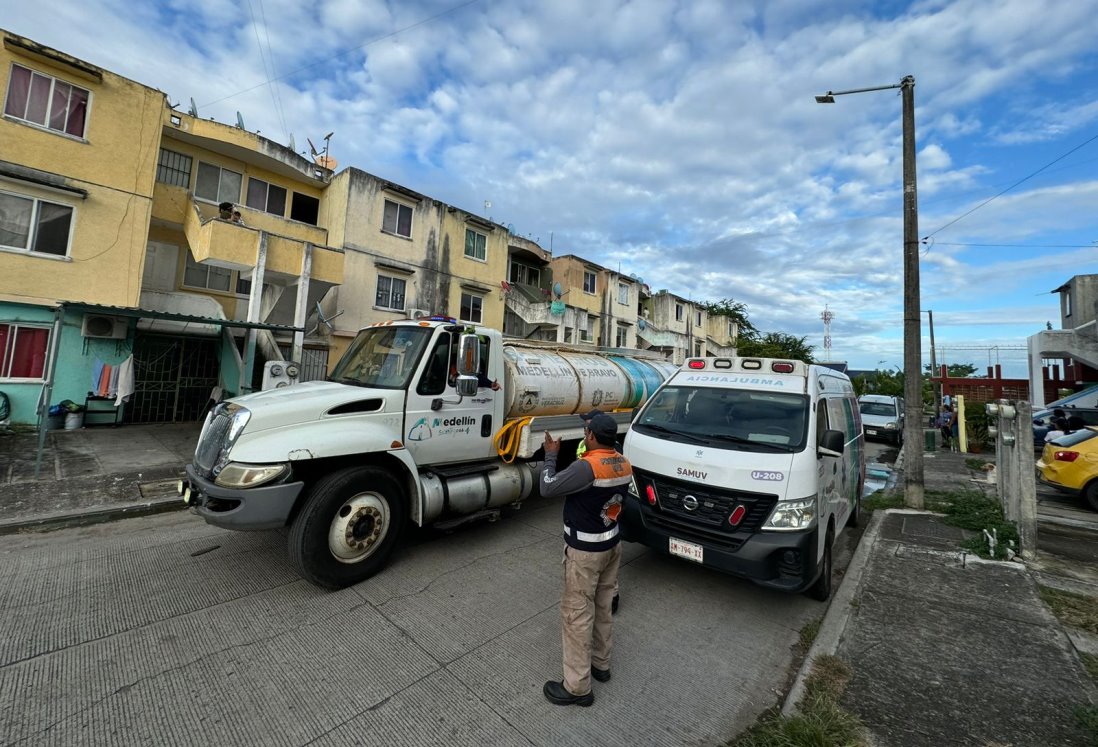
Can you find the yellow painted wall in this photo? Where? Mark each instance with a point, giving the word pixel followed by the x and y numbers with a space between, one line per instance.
pixel 115 163
pixel 480 278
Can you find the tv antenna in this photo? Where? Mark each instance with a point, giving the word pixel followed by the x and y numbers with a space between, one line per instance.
pixel 239 121
pixel 193 111
pixel 320 319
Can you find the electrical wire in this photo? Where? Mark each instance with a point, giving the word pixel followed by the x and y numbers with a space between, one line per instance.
pixel 1012 186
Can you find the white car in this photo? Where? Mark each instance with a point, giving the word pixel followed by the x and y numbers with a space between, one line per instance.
pixel 882 417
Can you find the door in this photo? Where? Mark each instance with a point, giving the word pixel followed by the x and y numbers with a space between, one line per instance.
pixel 462 429
pixel 829 416
pixel 173 378
pixel 161 265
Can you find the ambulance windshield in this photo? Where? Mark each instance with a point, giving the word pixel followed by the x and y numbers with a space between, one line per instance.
pixel 738 419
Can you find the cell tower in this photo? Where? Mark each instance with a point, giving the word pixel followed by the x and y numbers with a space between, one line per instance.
pixel 827 316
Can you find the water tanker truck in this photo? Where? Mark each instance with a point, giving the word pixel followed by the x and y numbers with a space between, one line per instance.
pixel 422 421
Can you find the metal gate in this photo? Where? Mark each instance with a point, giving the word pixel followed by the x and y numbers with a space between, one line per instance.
pixel 314 362
pixel 173 378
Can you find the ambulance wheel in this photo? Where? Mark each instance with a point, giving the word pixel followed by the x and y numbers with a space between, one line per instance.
pixel 856 512
pixel 349 526
pixel 821 590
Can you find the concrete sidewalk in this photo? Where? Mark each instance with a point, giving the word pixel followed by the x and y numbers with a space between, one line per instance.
pixel 947 649
pixel 91 474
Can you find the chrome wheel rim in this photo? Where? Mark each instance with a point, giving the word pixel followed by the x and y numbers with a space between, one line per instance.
pixel 358 527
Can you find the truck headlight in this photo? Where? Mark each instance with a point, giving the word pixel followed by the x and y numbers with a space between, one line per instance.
pixel 237 475
pixel 890 426
pixel 791 516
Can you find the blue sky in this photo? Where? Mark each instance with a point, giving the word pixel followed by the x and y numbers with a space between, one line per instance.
pixel 680 141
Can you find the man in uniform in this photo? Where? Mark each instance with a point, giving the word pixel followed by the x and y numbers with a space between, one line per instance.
pixel 595 486
pixel 581 449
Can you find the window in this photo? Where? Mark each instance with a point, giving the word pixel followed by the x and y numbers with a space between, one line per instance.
pixel 265 196
pixel 1067 303
pixel 174 168
pixel 699 322
pixel 243 285
pixel 476 245
pixel 678 312
pixel 471 308
pixel 305 209
pixel 32 225
pixel 623 293
pixel 23 351
pixel 623 336
pixel 42 100
pixel 525 274
pixel 390 293
pixel 206 276
pixel 397 219
pixel 731 329
pixel 588 282
pixel 216 184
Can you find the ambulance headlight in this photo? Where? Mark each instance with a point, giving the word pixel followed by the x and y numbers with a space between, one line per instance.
pixel 792 516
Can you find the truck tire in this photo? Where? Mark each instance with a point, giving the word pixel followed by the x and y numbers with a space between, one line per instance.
pixel 350 524
pixel 821 590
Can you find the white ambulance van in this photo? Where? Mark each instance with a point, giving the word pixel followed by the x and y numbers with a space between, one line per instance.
pixel 751 466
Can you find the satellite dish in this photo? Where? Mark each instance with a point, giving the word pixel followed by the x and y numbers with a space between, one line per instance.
pixel 194 108
pixel 641 323
pixel 557 290
pixel 487 204
pixel 239 121
pixel 325 162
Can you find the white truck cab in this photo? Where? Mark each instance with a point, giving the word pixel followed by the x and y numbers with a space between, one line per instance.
pixel 751 466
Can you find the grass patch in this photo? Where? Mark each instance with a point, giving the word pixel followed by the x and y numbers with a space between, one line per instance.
pixel 1072 609
pixel 1090 661
pixel 975 511
pixel 976 465
pixel 1088 719
pixel 821 721
pixel 881 500
pixel 808 633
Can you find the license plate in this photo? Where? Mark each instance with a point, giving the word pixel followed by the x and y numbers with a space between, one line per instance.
pixel 687 550
pixel 871 432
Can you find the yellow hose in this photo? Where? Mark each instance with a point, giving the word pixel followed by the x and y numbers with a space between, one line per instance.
pixel 509 435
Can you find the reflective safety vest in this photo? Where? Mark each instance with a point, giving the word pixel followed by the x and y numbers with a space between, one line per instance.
pixel 591 514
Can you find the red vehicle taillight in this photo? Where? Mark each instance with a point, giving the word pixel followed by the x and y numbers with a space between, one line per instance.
pixel 1066 456
pixel 651 493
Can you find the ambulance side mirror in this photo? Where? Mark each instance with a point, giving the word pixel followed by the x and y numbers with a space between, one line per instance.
pixel 832 443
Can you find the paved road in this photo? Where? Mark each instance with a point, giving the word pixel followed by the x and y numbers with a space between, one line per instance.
pixel 163 630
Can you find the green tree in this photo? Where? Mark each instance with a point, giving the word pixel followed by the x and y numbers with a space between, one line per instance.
pixel 734 310
pixel 954 370
pixel 776 345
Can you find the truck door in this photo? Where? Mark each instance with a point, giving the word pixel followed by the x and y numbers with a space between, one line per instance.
pixel 462 429
pixel 830 469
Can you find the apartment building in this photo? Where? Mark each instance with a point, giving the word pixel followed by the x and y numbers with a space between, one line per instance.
pixel 673 326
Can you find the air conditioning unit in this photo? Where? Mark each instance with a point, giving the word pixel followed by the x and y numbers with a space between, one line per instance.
pixel 418 313
pixel 105 327
pixel 278 374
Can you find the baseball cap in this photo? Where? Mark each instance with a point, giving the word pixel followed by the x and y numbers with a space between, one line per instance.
pixel 604 428
pixel 588 415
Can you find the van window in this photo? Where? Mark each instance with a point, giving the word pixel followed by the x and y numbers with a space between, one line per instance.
pixel 821 420
pixel 734 419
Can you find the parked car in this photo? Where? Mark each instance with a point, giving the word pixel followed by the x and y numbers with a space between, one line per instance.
pixel 1070 464
pixel 882 417
pixel 1042 422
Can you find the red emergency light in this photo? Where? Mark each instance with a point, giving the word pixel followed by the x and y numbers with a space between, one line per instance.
pixel 781 367
pixel 696 364
pixel 737 515
pixel 651 493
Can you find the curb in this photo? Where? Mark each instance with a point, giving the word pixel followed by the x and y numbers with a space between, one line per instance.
pixel 837 615
pixel 91 516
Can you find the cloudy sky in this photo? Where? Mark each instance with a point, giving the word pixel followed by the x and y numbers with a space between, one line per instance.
pixel 680 141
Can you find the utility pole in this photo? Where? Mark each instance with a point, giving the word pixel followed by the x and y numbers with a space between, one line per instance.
pixel 913 364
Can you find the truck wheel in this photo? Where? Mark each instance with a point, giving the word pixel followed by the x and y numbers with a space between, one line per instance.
pixel 821 590
pixel 348 527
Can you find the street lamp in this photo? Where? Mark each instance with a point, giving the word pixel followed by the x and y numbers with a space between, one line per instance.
pixel 913 375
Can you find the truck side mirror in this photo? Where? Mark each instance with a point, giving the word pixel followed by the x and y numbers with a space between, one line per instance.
pixel 832 443
pixel 467 385
pixel 468 360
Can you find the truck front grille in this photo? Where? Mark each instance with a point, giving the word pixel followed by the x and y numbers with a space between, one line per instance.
pixel 211 443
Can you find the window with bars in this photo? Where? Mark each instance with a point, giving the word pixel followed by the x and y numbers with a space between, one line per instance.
pixel 32 225
pixel 390 293
pixel 46 101
pixel 174 168
pixel 397 219
pixel 270 198
pixel 476 245
pixel 216 184
pixel 23 351
pixel 472 308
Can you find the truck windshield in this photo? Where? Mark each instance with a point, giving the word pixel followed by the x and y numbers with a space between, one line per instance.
pixel 735 419
pixel 382 357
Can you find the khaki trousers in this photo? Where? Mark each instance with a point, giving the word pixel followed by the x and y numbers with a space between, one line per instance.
pixel 585 622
